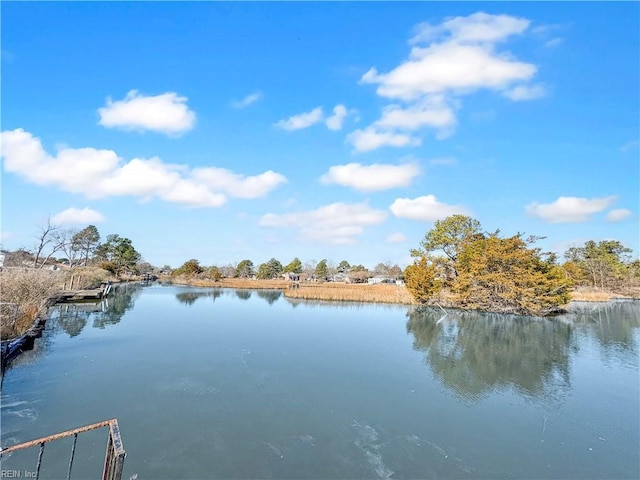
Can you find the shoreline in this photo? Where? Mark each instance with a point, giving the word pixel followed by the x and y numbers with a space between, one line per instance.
pixel 378 293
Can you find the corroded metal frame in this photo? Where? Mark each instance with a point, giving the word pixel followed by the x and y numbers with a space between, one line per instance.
pixel 114 455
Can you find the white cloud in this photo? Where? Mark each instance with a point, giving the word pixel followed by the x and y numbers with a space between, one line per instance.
pixel 554 42
pixel 334 122
pixel 460 58
pixel 476 28
pixel 396 238
pixel 432 111
pixel 303 120
pixel 525 92
pixel 101 173
pixel 618 215
pixel 370 139
pixel 166 113
pixel 449 67
pixel 374 177
pixel 248 100
pixel 337 223
pixel 569 209
pixel 425 209
pixel 236 185
pixel 77 216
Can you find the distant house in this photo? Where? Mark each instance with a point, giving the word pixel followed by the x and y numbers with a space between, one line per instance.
pixel 341 277
pixel 376 280
pixel 291 277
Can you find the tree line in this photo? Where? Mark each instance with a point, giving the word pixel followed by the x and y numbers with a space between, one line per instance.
pixel 322 271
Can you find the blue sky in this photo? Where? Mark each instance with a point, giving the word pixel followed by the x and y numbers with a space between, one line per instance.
pixel 225 131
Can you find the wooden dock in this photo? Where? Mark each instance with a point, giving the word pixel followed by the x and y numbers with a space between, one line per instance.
pixel 83 295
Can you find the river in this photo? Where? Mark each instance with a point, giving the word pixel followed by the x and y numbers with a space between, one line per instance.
pixel 216 383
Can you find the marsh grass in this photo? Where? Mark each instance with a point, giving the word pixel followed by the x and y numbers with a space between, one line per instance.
pixel 591 294
pixel 381 293
pixel 29 290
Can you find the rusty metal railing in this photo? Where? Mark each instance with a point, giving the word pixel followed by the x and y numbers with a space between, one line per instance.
pixel 114 456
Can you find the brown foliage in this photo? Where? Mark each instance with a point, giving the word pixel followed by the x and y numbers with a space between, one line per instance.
pixel 504 275
pixel 421 280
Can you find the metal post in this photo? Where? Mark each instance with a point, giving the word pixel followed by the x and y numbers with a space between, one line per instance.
pixel 39 460
pixel 73 451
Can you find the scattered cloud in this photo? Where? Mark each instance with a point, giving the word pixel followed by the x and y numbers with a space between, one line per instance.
pixel 629 146
pixel 554 42
pixel 525 92
pixel 432 111
pixel 446 62
pixel 569 209
pixel 443 161
pixel 303 120
pixel 366 178
pixel 102 173
pixel 450 67
pixel 236 185
pixel 335 121
pixel 425 209
pixel 248 100
pixel 337 223
pixel 396 238
pixel 167 113
pixel 77 216
pixel 545 29
pixel 479 27
pixel 370 139
pixel 618 215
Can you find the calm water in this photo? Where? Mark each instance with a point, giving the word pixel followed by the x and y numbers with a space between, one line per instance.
pixel 211 383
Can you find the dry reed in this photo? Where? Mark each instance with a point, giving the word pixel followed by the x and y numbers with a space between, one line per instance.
pixel 380 293
pixel 24 294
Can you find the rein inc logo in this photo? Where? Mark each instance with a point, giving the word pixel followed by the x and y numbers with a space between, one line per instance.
pixel 18 474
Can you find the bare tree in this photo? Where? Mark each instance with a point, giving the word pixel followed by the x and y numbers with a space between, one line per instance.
pixel 69 247
pixel 48 241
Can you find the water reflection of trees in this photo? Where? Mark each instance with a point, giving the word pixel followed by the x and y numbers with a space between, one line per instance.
pixel 474 354
pixel 190 297
pixel 73 320
pixel 269 295
pixel 243 294
pixel 614 325
pixel 115 305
